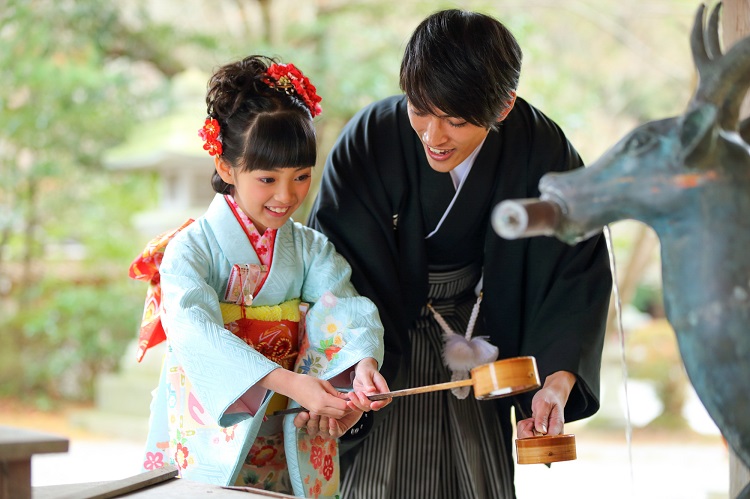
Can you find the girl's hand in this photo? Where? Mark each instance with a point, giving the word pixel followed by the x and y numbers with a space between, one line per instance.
pixel 367 381
pixel 316 395
pixel 319 397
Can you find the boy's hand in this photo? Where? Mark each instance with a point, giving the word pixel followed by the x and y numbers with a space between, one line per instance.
pixel 325 426
pixel 548 407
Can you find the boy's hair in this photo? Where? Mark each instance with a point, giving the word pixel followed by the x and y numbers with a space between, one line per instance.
pixel 262 128
pixel 465 64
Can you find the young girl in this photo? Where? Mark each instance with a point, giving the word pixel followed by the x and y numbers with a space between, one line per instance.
pixel 235 288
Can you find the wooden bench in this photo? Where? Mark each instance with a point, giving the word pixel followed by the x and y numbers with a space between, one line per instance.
pixel 17 445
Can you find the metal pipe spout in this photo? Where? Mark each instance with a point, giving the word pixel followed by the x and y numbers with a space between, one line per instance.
pixel 519 218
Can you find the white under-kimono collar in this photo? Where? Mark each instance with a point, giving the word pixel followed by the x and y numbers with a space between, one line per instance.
pixel 458 174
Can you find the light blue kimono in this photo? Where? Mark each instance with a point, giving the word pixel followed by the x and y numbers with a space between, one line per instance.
pixel 220 367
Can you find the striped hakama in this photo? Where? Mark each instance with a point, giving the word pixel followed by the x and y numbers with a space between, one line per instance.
pixel 434 444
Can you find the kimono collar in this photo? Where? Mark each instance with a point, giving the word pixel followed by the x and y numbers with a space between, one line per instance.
pixel 229 233
pixel 460 172
pixel 458 175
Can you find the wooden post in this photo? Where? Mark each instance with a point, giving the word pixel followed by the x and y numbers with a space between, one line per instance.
pixel 16 448
pixel 735 21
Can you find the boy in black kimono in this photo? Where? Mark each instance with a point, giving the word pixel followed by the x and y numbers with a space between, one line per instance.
pixel 406 196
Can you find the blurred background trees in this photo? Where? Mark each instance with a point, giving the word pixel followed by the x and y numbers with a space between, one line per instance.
pixel 84 78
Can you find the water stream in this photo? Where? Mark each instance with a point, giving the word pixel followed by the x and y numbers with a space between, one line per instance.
pixel 621 335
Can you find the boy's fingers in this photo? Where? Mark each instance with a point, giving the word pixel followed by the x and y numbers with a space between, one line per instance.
pixel 300 420
pixel 540 423
pixel 525 428
pixel 323 425
pixel 312 424
pixel 377 405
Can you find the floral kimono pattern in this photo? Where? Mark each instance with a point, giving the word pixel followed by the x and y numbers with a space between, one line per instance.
pixel 208 409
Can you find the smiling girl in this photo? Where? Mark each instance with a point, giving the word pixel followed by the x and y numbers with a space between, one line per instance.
pixel 258 310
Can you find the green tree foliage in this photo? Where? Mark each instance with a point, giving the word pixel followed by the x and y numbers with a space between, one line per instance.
pixel 80 75
pixel 71 90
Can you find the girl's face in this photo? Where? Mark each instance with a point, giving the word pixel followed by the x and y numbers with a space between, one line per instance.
pixel 447 140
pixel 268 197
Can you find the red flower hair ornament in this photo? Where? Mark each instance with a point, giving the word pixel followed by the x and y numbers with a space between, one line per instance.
pixel 283 77
pixel 211 135
pixel 290 80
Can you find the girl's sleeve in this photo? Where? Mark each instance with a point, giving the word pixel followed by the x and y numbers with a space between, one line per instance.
pixel 223 370
pixel 342 327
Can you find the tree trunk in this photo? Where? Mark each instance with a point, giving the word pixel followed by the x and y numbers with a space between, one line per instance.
pixel 645 243
pixel 265 12
pixel 736 25
pixel 4 238
pixel 29 236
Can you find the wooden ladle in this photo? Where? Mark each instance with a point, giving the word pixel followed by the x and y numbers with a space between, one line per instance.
pixel 496 379
pixel 546 449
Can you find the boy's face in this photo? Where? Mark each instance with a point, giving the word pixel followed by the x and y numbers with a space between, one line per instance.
pixel 268 197
pixel 447 140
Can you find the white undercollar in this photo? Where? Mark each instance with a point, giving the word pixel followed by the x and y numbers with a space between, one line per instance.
pixel 459 174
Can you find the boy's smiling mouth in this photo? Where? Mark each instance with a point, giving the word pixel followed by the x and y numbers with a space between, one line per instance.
pixel 438 151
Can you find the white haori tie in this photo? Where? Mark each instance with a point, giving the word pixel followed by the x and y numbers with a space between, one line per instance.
pixel 462 353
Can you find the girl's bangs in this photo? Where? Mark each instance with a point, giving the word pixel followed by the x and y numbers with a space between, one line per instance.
pixel 281 142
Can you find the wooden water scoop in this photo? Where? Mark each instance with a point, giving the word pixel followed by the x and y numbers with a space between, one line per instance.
pixel 497 379
pixel 546 449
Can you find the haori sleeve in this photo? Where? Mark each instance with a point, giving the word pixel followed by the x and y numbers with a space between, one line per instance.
pixel 563 291
pixel 223 369
pixel 342 327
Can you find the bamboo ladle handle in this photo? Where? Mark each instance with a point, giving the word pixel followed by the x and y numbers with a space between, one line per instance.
pixel 501 378
pixel 422 389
